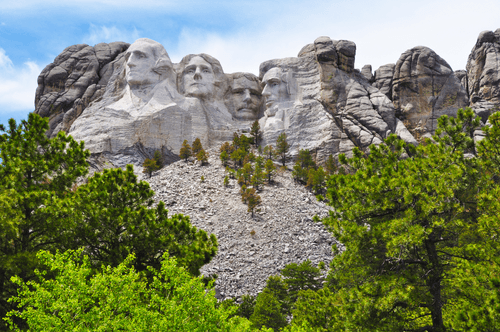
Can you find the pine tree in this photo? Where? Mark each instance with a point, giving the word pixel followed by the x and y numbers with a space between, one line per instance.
pixel 36 177
pixel 149 166
pixel 158 159
pixel 270 170
pixel 251 198
pixel 185 151
pixel 282 148
pixel 269 152
pixel 258 176
pixel 408 217
pixel 196 147
pixel 202 156
pixel 330 165
pixel 256 133
pixel 316 179
pixel 115 216
pixel 226 181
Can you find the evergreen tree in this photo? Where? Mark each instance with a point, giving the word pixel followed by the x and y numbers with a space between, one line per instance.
pixel 251 198
pixel 196 147
pixel 237 156
pixel 226 181
pixel 270 170
pixel 299 173
pixel 246 172
pixel 246 307
pixel 36 174
pixel 114 216
pixel 316 179
pixel 224 158
pixel 267 312
pixel 158 159
pixel 269 152
pixel 408 217
pixel 330 165
pixel 202 156
pixel 305 159
pixel 282 148
pixel 258 176
pixel 185 151
pixel 149 166
pixel 256 133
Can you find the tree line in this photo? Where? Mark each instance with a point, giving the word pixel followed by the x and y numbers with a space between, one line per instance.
pixel 418 225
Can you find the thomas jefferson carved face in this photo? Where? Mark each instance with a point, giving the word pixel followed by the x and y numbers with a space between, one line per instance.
pixel 247 98
pixel 199 78
pixel 140 64
pixel 275 89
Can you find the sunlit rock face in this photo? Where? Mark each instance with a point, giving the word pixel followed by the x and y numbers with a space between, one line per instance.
pixel 77 76
pixel 146 103
pixel 424 88
pixel 483 74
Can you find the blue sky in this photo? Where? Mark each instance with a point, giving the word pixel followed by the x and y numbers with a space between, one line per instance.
pixel 241 34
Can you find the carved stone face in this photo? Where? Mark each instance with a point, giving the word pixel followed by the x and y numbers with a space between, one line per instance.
pixel 246 97
pixel 199 78
pixel 275 90
pixel 140 64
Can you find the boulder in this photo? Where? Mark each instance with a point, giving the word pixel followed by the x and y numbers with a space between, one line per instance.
pixel 424 88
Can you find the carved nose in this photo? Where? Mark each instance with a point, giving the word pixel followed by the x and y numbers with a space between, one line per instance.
pixel 266 92
pixel 247 96
pixel 197 74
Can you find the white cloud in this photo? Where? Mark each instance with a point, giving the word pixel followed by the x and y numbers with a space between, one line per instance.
pixel 382 31
pixel 108 34
pixel 17 85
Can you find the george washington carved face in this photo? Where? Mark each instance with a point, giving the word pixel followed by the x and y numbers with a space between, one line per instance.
pixel 147 62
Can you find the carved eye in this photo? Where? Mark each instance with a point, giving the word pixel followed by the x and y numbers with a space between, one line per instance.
pixel 190 71
pixel 274 84
pixel 206 71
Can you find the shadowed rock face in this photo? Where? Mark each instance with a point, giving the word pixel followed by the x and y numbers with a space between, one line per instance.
pixel 483 74
pixel 382 79
pixel 425 87
pixel 76 77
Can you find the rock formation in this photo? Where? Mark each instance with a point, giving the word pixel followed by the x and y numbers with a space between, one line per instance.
pixel 126 102
pixel 425 87
pixel 76 77
pixel 483 74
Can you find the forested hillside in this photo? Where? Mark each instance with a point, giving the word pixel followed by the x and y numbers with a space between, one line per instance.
pixel 415 233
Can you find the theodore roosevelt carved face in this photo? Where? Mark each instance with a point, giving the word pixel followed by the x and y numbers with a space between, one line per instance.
pixel 247 96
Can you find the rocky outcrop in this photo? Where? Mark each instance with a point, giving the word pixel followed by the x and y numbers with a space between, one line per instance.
pixel 366 71
pixel 125 101
pixel 382 79
pixel 483 74
pixel 76 77
pixel 425 87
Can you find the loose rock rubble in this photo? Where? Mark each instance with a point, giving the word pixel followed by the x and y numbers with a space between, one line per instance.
pixel 250 249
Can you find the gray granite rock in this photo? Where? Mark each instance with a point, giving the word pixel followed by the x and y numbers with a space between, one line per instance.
pixel 250 249
pixel 383 79
pixel 483 74
pixel 72 81
pixel 366 71
pixel 425 87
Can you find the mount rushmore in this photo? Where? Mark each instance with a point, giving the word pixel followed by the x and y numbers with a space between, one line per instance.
pixel 127 101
